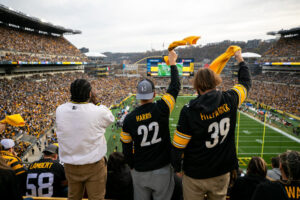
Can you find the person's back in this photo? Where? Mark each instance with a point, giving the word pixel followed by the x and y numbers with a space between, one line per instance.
pixel 288 188
pixel 205 134
pixel 73 120
pixel 244 187
pixel 146 139
pixel 119 182
pixel 80 131
pixel 46 177
pixel 148 126
pixel 9 185
pixel 12 160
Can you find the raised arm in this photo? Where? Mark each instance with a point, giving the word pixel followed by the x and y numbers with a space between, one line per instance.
pixel 244 79
pixel 169 98
pixel 174 86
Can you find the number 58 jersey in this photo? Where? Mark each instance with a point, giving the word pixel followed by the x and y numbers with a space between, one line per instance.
pixel 44 179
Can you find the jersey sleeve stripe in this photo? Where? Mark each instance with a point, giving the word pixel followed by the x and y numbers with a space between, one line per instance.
pixel 169 99
pixel 241 91
pixel 125 137
pixel 172 98
pixel 19 171
pixel 183 135
pixel 243 87
pixel 180 140
pixel 178 145
pixel 124 133
pixel 239 94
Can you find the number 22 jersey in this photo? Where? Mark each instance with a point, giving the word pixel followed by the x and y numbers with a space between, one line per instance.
pixel 145 135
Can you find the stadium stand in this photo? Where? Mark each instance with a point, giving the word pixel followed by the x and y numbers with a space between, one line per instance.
pixel 28 39
pixel 286 49
pixel 272 92
pixel 36 97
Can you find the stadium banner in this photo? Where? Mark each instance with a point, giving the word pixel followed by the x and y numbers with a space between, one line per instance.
pixel 282 63
pixel 130 67
pixel 157 67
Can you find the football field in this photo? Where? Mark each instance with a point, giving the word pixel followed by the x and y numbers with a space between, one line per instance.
pixel 249 136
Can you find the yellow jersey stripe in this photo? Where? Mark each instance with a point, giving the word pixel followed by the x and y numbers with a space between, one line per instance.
pixel 239 94
pixel 180 141
pixel 169 105
pixel 125 137
pixel 182 134
pixel 178 145
pixel 170 101
pixel 124 133
pixel 242 91
pixel 172 98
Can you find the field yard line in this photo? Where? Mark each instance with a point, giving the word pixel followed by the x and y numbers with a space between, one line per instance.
pixel 275 129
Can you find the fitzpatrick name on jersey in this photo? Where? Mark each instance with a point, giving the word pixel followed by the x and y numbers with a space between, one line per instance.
pixel 219 111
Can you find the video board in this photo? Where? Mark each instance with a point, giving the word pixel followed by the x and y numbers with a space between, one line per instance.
pixel 157 67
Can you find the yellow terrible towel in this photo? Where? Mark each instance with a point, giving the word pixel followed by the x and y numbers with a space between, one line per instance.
pixel 219 63
pixel 14 120
pixel 186 41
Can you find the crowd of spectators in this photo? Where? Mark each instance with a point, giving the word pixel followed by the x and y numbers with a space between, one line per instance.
pixel 27 46
pixel 286 49
pixel 37 97
pixel 280 91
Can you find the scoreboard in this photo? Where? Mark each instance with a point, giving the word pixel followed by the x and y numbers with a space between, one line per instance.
pixel 157 67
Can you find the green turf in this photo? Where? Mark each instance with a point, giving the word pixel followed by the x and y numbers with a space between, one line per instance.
pixel 249 140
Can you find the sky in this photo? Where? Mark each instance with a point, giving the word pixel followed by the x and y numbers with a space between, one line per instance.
pixel 140 25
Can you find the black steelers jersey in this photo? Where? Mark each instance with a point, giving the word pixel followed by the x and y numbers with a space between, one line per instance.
pixel 145 135
pixel 44 178
pixel 205 131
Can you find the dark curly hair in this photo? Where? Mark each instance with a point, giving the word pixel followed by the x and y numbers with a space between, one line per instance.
pixel 80 90
pixel 290 163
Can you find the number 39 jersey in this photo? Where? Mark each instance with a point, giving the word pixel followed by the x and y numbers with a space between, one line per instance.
pixel 205 132
pixel 44 178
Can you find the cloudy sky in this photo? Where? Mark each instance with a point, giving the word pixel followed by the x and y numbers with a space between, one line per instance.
pixel 140 25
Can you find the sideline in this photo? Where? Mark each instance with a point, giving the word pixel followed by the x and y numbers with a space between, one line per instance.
pixel 275 129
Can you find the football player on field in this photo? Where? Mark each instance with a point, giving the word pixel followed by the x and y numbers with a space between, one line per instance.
pixel 46 177
pixel 146 139
pixel 205 134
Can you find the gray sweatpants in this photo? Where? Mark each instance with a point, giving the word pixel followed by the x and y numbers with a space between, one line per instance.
pixel 158 183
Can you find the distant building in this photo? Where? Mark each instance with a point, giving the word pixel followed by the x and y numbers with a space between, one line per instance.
pixel 84 50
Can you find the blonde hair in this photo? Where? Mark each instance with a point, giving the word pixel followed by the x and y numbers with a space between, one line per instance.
pixel 206 79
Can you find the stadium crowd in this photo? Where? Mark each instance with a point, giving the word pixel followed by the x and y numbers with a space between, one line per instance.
pixel 273 91
pixel 286 49
pixel 19 45
pixel 37 97
pixel 254 185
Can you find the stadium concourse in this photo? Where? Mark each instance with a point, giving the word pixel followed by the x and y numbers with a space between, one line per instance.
pixel 29 48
